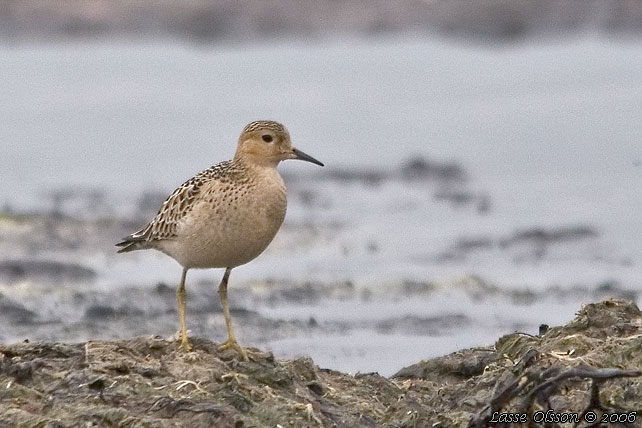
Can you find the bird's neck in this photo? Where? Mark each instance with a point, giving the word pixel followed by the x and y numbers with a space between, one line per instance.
pixel 266 175
pixel 256 162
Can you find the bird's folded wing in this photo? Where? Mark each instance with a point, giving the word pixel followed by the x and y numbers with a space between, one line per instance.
pixel 165 224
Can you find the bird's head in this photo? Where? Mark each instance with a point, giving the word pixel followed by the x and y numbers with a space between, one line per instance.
pixel 266 142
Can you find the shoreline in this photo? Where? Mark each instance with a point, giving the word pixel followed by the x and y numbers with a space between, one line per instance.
pixel 146 382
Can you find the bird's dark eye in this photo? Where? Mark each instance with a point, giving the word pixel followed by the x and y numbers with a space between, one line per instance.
pixel 267 138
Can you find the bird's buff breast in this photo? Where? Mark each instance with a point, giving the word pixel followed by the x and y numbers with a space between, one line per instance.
pixel 227 230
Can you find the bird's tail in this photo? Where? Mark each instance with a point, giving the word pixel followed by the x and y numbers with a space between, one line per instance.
pixel 131 245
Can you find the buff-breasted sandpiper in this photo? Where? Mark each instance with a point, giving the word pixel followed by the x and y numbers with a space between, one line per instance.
pixel 224 216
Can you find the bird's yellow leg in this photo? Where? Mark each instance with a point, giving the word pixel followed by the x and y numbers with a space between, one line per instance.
pixel 231 340
pixel 181 298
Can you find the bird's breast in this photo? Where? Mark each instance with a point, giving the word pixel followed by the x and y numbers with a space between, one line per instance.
pixel 232 225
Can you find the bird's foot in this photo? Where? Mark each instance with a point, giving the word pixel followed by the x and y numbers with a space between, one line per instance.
pixel 231 343
pixel 185 346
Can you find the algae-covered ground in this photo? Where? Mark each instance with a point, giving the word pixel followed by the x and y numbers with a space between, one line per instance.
pixel 586 367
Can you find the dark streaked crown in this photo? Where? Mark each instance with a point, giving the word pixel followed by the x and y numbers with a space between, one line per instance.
pixel 265 124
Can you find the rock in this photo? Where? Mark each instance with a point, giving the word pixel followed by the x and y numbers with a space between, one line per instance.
pixel 49 271
pixel 102 312
pixel 455 367
pixel 430 326
pixel 544 236
pixel 14 313
pixel 418 168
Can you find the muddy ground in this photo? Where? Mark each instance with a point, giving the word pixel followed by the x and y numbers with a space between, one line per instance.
pixel 585 368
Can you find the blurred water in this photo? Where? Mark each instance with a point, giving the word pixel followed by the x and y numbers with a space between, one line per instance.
pixel 133 115
pixel 548 133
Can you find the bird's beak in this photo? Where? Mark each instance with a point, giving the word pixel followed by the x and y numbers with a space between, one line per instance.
pixel 298 154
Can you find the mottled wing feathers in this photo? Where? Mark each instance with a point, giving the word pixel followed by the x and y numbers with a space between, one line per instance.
pixel 165 224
